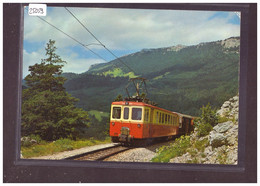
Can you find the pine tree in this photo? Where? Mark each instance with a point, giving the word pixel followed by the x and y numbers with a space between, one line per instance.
pixel 47 109
pixel 119 98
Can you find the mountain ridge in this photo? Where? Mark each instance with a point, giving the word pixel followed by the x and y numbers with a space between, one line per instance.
pixel 180 80
pixel 164 52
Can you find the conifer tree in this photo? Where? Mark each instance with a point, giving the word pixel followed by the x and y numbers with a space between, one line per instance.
pixel 119 98
pixel 47 109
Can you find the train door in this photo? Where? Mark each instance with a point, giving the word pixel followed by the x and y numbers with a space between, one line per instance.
pixel 182 125
pixel 150 125
pixel 125 127
pixel 146 122
pixel 126 117
pixel 187 127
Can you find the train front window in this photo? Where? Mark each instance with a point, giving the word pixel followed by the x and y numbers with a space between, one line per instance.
pixel 137 114
pixel 116 113
pixel 126 113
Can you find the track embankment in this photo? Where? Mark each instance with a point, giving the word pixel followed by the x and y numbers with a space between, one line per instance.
pixel 68 154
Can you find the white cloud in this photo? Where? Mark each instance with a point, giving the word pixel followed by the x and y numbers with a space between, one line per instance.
pixel 123 29
pixel 75 63
pixel 129 28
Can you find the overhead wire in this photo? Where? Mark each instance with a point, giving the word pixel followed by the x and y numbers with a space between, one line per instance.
pixel 103 44
pixel 85 46
pixel 99 41
pixel 72 38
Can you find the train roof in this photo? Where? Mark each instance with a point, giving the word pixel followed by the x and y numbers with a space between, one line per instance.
pixel 186 116
pixel 130 103
pixel 133 103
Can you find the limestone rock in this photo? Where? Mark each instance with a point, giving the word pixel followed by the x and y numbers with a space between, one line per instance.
pixel 223 127
pixel 226 104
pixel 217 139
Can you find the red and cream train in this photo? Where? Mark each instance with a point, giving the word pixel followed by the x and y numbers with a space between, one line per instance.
pixel 132 121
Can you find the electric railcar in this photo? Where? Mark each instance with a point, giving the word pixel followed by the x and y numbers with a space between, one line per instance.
pixel 138 121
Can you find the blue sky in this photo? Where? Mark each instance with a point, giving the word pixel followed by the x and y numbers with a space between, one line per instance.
pixel 123 31
pixel 226 15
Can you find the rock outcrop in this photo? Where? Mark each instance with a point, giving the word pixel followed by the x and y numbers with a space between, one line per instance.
pixel 221 144
pixel 231 42
pixel 230 108
pixel 176 48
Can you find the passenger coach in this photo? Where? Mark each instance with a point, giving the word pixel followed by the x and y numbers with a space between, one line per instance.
pixel 134 121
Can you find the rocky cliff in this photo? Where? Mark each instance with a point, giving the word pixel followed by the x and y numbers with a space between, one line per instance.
pixel 221 145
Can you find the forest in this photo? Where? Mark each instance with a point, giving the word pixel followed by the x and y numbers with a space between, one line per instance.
pixel 181 81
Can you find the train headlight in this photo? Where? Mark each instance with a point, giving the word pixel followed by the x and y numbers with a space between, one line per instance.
pixel 113 123
pixel 138 125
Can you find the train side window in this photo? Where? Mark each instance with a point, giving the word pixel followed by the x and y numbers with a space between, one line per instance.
pixel 116 113
pixel 157 117
pixel 163 118
pixel 174 120
pixel 166 121
pixel 146 115
pixel 160 118
pixel 136 114
pixel 126 113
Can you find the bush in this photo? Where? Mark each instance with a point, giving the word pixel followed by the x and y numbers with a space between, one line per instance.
pixel 193 152
pixel 209 115
pixel 178 148
pixel 201 144
pixel 208 119
pixel 204 129
pixel 223 119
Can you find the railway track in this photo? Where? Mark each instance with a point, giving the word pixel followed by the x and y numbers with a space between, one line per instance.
pixel 100 154
pixel 107 152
